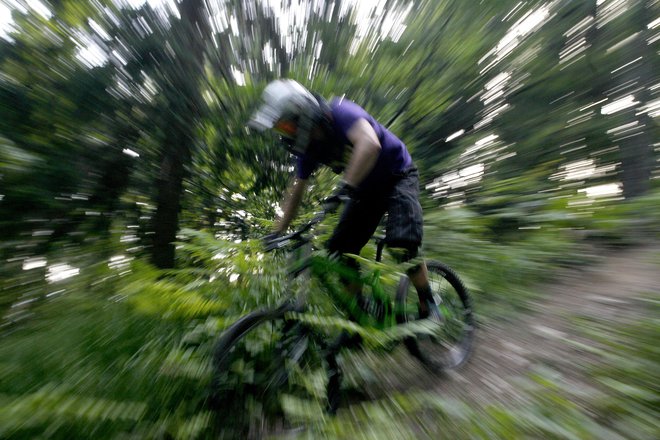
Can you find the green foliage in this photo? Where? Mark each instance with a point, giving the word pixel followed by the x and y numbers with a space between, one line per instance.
pixel 98 371
pixel 625 406
pixel 500 272
pixel 630 394
pixel 631 222
pixel 55 408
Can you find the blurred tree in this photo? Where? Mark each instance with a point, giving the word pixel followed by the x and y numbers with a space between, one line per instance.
pixel 636 66
pixel 177 86
pixel 53 118
pixel 182 95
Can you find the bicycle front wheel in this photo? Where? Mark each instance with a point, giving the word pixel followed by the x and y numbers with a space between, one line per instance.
pixel 450 343
pixel 252 365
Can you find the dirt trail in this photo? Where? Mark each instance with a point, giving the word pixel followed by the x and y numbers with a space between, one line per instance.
pixel 506 352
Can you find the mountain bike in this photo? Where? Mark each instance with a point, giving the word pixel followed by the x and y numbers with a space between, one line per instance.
pixel 280 348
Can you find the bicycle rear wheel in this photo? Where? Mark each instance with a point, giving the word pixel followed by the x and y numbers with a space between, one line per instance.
pixel 450 344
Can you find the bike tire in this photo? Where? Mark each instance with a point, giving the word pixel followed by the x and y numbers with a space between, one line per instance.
pixel 239 329
pixel 263 343
pixel 452 346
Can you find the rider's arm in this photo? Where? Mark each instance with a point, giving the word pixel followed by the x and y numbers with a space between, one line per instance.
pixel 366 149
pixel 291 202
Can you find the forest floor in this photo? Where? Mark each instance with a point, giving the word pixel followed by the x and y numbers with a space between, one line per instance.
pixel 613 292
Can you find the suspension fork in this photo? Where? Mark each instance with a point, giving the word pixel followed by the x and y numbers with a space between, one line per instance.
pixel 299 262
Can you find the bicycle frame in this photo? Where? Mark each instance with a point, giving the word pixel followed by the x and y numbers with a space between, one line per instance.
pixel 301 262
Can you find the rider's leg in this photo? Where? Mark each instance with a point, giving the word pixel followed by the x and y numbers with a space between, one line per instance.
pixel 419 276
pixel 351 279
pixel 357 223
pixel 405 230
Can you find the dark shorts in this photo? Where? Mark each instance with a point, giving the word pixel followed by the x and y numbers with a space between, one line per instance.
pixel 399 198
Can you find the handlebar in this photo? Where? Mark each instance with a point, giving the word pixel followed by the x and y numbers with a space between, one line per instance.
pixel 284 240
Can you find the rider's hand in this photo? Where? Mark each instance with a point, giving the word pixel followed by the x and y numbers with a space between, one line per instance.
pixel 342 194
pixel 268 241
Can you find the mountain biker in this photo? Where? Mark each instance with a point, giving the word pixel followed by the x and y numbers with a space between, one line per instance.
pixel 378 175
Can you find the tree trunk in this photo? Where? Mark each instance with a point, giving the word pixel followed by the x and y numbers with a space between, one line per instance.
pixel 637 147
pixel 184 103
pixel 168 202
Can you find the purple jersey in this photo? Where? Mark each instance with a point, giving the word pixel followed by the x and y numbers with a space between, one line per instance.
pixel 393 158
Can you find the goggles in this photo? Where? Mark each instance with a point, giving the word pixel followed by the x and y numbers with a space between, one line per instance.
pixel 288 131
pixel 286 128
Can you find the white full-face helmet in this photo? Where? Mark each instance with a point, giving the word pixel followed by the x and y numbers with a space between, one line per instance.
pixel 291 110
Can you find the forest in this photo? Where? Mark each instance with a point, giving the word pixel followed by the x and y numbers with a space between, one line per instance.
pixel 133 200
